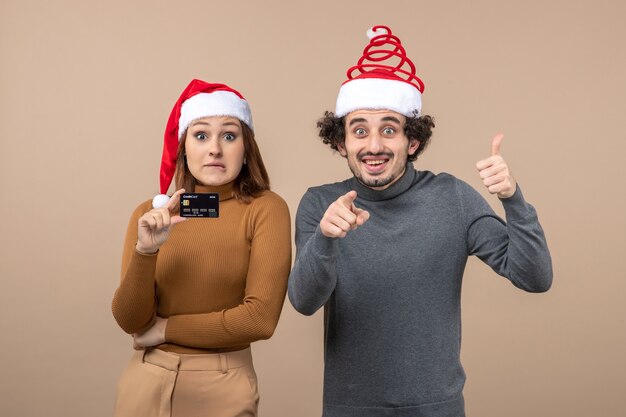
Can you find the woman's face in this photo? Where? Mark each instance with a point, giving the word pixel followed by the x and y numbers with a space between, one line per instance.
pixel 215 149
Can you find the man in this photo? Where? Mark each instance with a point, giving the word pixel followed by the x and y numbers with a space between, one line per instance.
pixel 384 252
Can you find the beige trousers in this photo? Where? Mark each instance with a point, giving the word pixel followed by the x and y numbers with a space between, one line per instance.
pixel 162 384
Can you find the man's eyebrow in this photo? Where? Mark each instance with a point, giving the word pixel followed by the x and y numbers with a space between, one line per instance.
pixel 391 119
pixel 356 120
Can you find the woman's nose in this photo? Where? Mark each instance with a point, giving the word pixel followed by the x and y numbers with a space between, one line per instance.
pixel 215 148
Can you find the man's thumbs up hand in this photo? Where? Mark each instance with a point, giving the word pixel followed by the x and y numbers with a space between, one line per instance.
pixel 495 172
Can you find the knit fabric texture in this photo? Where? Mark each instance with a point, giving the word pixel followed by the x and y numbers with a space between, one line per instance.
pixel 392 288
pixel 221 282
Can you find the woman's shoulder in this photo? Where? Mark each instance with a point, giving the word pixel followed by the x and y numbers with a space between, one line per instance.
pixel 268 200
pixel 268 197
pixel 142 208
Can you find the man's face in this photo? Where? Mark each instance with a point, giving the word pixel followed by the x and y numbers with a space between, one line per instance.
pixel 376 147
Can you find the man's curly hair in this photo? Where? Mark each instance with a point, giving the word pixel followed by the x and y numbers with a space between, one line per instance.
pixel 332 131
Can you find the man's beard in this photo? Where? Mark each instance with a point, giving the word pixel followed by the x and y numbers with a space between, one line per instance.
pixel 376 181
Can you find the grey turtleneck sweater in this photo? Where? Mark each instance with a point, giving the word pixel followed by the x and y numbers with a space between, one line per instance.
pixel 391 288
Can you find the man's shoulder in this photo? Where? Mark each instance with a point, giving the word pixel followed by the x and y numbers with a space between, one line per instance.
pixel 319 197
pixel 441 179
pixel 446 186
pixel 329 190
pixel 442 185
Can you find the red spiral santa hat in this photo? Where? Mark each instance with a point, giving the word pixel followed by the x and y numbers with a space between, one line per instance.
pixel 385 78
pixel 199 99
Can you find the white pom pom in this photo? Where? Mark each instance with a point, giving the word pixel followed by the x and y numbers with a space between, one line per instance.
pixel 370 33
pixel 160 200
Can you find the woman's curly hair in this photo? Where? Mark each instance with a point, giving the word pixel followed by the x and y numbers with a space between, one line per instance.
pixel 332 131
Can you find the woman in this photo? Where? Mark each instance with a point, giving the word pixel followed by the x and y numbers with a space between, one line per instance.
pixel 195 292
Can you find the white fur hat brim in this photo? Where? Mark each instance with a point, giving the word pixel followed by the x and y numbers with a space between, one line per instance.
pixel 378 94
pixel 217 103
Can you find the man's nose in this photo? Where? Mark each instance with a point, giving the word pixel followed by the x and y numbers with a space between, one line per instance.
pixel 375 144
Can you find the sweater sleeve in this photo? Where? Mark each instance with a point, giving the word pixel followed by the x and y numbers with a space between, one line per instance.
pixel 266 284
pixel 314 274
pixel 134 303
pixel 516 249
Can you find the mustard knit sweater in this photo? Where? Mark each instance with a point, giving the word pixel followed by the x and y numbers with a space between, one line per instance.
pixel 221 282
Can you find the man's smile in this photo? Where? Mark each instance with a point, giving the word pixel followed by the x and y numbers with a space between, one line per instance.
pixel 375 164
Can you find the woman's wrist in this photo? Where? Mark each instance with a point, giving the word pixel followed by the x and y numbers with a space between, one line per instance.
pixel 145 251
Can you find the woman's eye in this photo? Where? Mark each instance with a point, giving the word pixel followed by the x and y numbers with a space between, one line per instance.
pixel 229 137
pixel 389 131
pixel 359 132
pixel 201 136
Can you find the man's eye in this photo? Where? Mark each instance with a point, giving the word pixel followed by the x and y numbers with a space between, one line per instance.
pixel 201 136
pixel 389 131
pixel 229 137
pixel 359 132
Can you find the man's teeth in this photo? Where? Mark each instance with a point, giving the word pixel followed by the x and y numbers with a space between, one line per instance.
pixel 375 162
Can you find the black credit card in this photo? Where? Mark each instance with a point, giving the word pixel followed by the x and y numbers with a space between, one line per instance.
pixel 200 205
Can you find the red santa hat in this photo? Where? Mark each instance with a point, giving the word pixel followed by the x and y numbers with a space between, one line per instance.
pixel 199 99
pixel 391 85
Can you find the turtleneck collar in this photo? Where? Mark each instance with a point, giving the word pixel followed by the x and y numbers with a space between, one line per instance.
pixel 388 193
pixel 225 191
